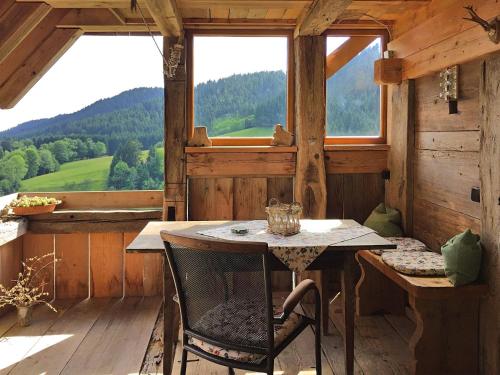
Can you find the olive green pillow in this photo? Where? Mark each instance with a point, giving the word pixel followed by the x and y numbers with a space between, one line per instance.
pixel 462 258
pixel 385 221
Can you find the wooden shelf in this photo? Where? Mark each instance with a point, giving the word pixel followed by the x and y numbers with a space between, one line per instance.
pixel 239 149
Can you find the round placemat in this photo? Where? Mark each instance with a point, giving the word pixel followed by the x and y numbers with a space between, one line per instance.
pixel 417 263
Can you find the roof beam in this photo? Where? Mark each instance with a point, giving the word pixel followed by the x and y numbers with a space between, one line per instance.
pixel 319 16
pixel 17 22
pixel 36 65
pixel 345 53
pixel 166 16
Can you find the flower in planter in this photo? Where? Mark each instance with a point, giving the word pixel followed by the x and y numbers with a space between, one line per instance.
pixel 29 289
pixel 25 201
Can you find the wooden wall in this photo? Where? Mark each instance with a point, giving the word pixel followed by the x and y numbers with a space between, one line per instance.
pixel 10 263
pixel 446 159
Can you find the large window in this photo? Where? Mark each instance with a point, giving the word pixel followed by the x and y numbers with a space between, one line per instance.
pixel 240 85
pixel 354 103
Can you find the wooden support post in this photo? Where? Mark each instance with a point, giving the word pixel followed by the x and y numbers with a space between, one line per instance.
pixel 489 156
pixel 401 136
pixel 310 115
pixel 174 204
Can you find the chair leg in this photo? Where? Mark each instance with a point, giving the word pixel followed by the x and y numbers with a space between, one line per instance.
pixel 183 362
pixel 317 330
pixel 230 371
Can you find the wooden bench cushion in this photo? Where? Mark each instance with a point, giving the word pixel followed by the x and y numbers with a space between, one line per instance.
pixel 403 244
pixel 418 263
pixel 429 287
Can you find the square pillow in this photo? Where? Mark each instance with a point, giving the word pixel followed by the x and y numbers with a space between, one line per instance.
pixel 462 258
pixel 385 221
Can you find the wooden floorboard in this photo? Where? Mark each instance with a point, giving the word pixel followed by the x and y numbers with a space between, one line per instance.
pixel 118 341
pixel 16 342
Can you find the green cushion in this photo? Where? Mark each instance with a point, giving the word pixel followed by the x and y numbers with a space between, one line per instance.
pixel 462 258
pixel 385 221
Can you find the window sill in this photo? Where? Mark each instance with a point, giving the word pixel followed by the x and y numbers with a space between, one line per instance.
pixel 239 149
pixel 357 147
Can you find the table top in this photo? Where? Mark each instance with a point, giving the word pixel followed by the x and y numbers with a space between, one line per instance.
pixel 149 240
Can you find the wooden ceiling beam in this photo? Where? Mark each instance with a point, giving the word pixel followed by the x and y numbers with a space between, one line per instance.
pixel 319 16
pixel 17 22
pixel 166 16
pixel 345 53
pixel 36 65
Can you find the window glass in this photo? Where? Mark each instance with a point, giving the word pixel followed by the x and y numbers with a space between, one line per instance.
pixel 352 97
pixel 240 84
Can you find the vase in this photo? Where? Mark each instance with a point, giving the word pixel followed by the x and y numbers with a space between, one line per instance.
pixel 24 315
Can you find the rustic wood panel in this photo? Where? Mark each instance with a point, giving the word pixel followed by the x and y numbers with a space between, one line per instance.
pixel 280 188
pixel 210 199
pixel 448 141
pixel 10 263
pixel 361 194
pixel 489 157
pixel 446 178
pixel 399 188
pixel 434 224
pixel 106 264
pixel 335 197
pixel 432 112
pixel 241 164
pixel 103 200
pixel 38 245
pixel 134 268
pixel 72 270
pixel 153 275
pixel 250 198
pixel 365 161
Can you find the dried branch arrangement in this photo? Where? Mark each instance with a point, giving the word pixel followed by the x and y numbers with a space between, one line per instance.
pixel 29 289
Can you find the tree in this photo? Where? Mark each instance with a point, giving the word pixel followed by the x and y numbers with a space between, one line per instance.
pixel 62 151
pixel 121 177
pixel 33 161
pixel 129 153
pixel 48 162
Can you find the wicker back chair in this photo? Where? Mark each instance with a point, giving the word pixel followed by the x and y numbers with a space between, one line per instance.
pixel 225 298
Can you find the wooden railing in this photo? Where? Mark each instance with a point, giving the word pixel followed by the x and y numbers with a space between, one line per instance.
pixel 88 234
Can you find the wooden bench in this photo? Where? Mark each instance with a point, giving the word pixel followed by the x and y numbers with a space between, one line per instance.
pixel 445 340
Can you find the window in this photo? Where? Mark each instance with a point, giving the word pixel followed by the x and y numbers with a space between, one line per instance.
pixel 354 103
pixel 239 85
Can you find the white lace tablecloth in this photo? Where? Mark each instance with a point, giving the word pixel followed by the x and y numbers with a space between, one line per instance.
pixel 297 252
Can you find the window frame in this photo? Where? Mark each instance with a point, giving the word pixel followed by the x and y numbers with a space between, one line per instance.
pixel 290 99
pixel 382 137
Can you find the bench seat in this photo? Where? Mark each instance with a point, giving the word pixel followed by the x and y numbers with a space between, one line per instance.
pixel 446 337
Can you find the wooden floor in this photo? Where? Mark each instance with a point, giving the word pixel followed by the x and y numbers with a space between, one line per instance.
pixel 110 336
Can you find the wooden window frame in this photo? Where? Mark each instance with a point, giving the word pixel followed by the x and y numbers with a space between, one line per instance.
pixel 382 137
pixel 240 141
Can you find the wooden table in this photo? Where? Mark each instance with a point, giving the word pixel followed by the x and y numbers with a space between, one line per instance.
pixel 339 256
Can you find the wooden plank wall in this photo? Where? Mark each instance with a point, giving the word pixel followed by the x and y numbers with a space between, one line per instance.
pixel 10 263
pixel 446 159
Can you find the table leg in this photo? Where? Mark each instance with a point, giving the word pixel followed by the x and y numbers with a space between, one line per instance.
pixel 348 280
pixel 169 312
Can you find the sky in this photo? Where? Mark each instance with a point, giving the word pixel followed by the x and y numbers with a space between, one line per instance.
pixel 98 67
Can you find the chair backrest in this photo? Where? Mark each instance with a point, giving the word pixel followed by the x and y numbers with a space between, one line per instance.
pixel 224 290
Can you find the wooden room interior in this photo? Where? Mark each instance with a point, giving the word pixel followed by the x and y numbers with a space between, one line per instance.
pixel 432 156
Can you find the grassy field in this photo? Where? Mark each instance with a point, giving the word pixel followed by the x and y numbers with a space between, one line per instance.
pixel 78 176
pixel 251 132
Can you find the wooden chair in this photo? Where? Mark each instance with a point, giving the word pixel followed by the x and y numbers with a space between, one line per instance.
pixel 225 299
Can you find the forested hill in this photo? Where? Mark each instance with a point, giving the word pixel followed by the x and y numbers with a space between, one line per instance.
pixel 136 113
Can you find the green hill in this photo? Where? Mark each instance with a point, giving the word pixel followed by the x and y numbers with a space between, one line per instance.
pixel 79 175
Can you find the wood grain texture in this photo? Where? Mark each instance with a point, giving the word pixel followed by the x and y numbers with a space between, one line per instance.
pixel 399 188
pixel 319 16
pixel 356 161
pixel 10 263
pixel 434 224
pixel 134 269
pixel 250 198
pixel 106 264
pixel 448 141
pixel 240 164
pixel 72 270
pixel 489 157
pixel 361 194
pixel 310 113
pixel 38 245
pixel 280 188
pixel 210 199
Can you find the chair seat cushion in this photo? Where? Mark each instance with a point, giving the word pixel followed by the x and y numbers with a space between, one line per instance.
pixel 226 319
pixel 418 263
pixel 403 244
